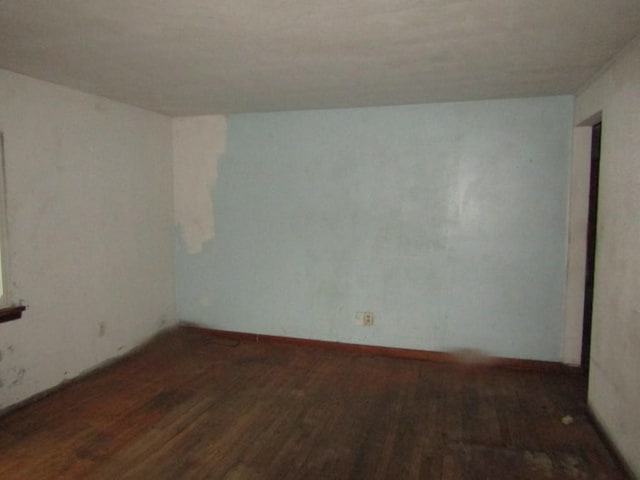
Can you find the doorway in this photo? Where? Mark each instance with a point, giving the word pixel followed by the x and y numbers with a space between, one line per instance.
pixel 596 140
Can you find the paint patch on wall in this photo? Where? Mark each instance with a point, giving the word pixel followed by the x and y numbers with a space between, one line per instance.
pixel 198 143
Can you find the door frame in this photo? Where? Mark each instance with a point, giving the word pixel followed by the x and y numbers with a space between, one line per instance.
pixel 578 218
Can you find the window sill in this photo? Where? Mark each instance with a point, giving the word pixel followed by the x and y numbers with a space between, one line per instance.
pixel 11 313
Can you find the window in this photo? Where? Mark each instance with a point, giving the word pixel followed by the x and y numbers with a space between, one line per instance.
pixel 8 311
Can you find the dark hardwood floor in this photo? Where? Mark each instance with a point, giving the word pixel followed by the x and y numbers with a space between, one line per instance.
pixel 190 405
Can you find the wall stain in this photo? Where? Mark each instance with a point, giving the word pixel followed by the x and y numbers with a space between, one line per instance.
pixel 19 378
pixel 102 329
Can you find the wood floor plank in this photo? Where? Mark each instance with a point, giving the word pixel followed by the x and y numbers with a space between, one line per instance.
pixel 190 406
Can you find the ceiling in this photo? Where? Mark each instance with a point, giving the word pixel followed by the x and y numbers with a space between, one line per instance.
pixel 189 57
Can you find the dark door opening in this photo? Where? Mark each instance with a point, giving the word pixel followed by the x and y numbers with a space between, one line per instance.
pixel 596 136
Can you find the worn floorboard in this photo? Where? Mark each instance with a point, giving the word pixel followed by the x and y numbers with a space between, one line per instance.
pixel 191 406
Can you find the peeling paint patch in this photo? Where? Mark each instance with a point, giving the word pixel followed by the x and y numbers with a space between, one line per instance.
pixel 198 143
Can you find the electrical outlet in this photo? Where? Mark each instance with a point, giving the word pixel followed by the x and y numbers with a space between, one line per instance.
pixel 364 319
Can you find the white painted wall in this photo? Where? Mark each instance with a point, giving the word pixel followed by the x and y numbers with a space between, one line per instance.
pixel 577 244
pixel 90 231
pixel 614 381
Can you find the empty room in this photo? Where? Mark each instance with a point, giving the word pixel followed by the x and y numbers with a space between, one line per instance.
pixel 367 239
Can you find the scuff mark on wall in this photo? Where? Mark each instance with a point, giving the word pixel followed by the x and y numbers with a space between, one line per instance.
pixel 19 377
pixel 198 143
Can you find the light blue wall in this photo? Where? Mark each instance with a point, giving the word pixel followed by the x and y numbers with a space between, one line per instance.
pixel 448 221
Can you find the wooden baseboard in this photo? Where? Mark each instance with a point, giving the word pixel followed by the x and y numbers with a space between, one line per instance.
pixel 462 357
